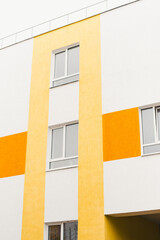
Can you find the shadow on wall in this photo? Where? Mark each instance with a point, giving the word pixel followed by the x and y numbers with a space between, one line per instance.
pixel 130 228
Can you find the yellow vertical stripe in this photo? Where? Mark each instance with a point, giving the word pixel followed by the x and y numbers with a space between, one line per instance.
pixel 90 196
pixel 34 187
pixel 90 170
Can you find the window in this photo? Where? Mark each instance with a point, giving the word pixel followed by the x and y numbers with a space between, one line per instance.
pixel 150 118
pixel 65 66
pixel 64 231
pixel 64 146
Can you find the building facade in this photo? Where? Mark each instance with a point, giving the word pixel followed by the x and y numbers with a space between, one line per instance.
pixel 80 127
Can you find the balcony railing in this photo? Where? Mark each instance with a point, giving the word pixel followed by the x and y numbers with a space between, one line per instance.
pixel 72 17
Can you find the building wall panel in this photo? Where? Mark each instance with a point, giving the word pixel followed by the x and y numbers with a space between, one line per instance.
pixel 15 75
pixel 11 204
pixel 64 104
pixel 131 186
pixel 61 195
pixel 130 56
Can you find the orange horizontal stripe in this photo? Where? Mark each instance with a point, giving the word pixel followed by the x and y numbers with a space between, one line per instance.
pixel 121 134
pixel 13 154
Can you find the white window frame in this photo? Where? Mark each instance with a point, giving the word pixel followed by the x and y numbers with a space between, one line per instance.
pixel 50 147
pixel 54 224
pixel 155 126
pixel 54 52
pixel 46 227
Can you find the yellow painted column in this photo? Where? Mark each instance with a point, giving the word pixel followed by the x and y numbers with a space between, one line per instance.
pixel 34 187
pixel 90 170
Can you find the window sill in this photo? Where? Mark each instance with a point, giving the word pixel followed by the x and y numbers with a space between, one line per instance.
pixel 148 154
pixel 65 80
pixel 62 168
pixel 63 84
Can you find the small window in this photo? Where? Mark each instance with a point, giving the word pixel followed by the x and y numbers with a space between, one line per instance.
pixel 65 66
pixel 54 232
pixel 64 231
pixel 64 146
pixel 70 231
pixel 151 130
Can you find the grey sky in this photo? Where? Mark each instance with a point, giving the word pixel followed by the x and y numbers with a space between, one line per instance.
pixel 17 15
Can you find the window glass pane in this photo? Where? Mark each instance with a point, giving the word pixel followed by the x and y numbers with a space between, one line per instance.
pixel 158 122
pixel 148 126
pixel 57 143
pixel 71 140
pixel 54 232
pixel 73 60
pixel 70 231
pixel 59 65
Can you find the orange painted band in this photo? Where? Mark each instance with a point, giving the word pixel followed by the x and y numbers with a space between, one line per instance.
pixel 13 154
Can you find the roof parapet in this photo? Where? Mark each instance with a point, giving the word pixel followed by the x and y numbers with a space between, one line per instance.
pixel 64 20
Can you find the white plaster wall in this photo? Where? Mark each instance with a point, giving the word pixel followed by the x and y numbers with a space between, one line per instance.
pixel 61 195
pixel 11 205
pixel 61 191
pixel 64 104
pixel 130 56
pixel 132 185
pixel 15 76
